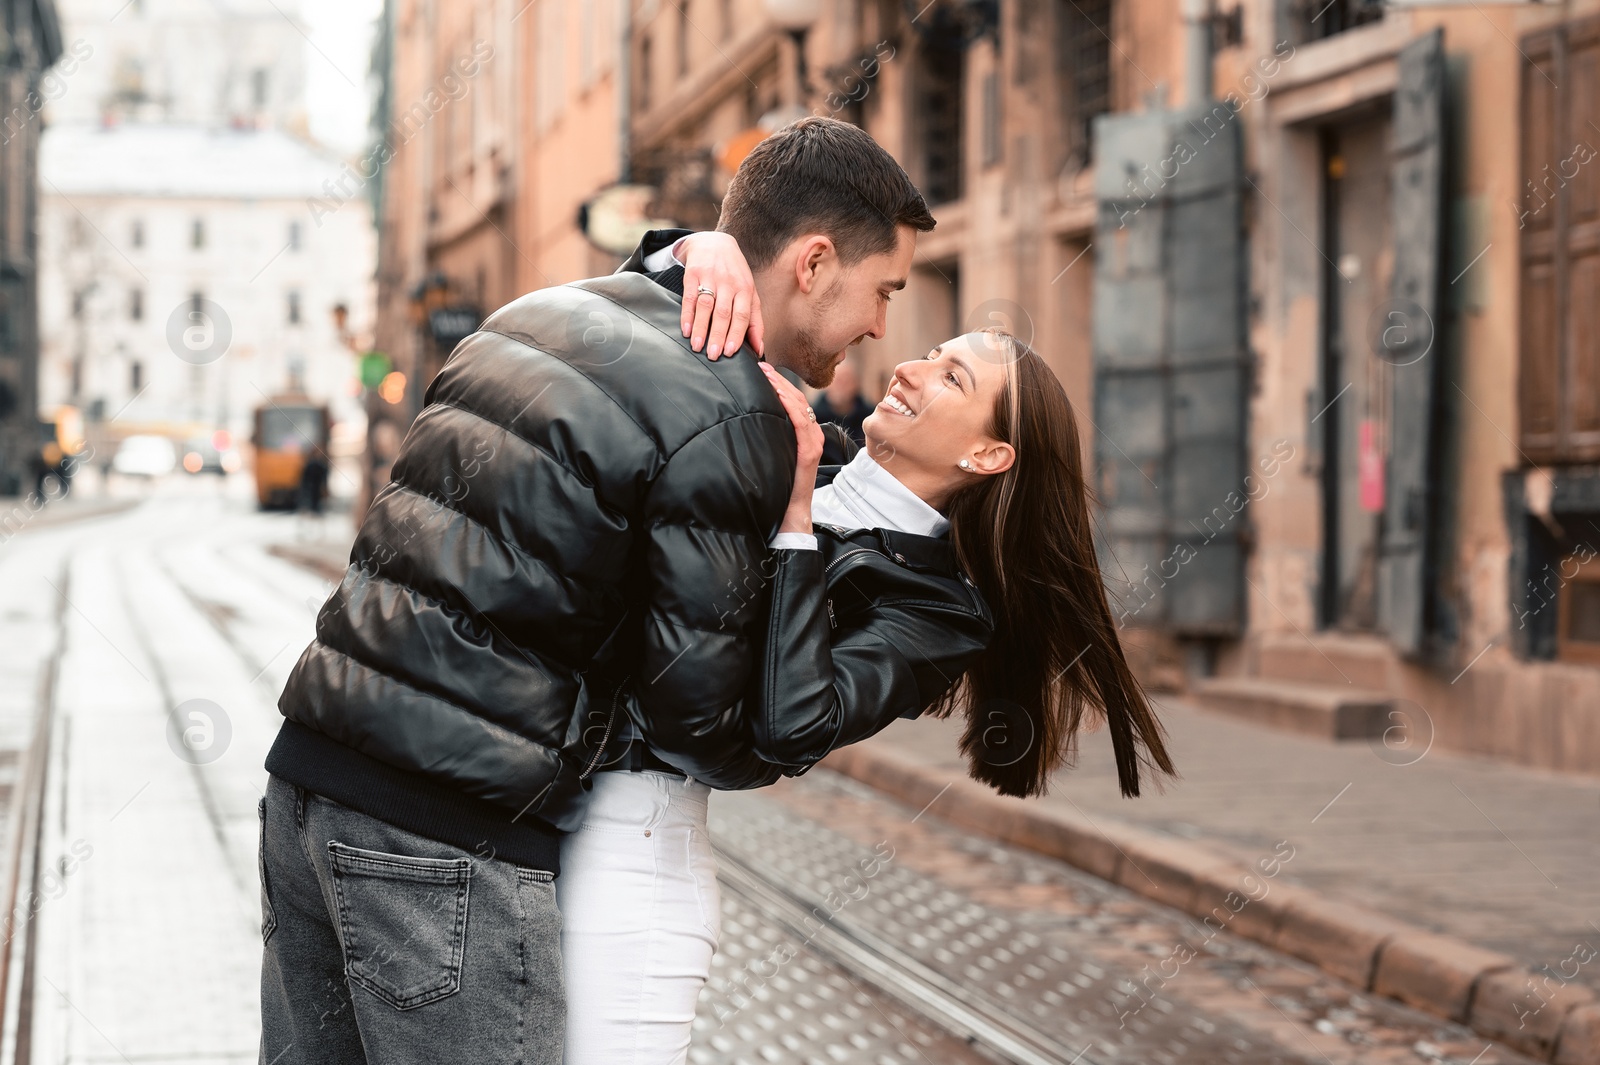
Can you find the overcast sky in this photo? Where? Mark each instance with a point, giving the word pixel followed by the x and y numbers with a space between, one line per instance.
pixel 338 95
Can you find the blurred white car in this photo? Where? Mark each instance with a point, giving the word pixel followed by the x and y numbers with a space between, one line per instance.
pixel 211 454
pixel 145 456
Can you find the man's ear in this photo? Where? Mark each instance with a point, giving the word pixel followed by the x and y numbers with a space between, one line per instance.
pixel 814 256
pixel 993 457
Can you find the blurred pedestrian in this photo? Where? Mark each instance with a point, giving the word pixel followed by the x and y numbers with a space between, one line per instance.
pixel 841 404
pixel 313 482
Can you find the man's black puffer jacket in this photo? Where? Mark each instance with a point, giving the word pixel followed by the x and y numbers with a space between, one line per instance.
pixel 573 509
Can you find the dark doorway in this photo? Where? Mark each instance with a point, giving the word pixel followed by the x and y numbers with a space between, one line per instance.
pixel 1358 262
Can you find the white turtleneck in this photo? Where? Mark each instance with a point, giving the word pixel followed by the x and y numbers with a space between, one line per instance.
pixel 864 495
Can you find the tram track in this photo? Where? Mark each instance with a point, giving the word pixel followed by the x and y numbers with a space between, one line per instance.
pixel 962 1011
pixel 25 833
pixel 209 803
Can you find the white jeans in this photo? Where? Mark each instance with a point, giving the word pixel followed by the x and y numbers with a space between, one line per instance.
pixel 640 914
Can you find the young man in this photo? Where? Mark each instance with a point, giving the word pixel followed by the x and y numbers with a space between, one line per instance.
pixel 565 522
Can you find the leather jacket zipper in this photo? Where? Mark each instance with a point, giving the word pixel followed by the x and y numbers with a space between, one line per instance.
pixel 605 737
pixel 848 554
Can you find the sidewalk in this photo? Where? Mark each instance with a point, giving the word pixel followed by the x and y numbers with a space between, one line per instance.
pixel 1460 885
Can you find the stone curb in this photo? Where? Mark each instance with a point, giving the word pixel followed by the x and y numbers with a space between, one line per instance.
pixel 1496 996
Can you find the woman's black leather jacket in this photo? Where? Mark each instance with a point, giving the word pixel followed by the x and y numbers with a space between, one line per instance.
pixel 874 625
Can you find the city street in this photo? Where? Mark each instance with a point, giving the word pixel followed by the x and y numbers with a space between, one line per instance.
pixel 854 928
pixel 1221 384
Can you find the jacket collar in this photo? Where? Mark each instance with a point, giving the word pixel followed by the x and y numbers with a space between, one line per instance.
pixel 671 278
pixel 926 554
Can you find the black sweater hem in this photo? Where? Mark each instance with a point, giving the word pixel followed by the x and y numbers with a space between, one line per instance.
pixel 318 763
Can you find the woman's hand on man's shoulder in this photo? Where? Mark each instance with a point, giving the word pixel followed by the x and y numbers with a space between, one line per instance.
pixel 721 308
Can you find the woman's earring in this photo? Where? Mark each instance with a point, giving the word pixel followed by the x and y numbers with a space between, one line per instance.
pixel 966 465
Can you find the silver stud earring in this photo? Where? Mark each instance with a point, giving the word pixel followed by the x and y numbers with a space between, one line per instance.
pixel 966 465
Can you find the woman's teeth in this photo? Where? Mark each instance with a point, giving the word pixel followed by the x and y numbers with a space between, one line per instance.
pixel 896 405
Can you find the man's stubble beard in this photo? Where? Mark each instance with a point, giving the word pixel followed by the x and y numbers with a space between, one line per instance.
pixel 808 358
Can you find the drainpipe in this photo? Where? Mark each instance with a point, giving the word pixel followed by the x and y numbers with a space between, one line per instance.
pixel 1197 51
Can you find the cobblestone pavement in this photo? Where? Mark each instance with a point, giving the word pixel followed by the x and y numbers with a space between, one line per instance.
pixel 1095 973
pixel 1499 855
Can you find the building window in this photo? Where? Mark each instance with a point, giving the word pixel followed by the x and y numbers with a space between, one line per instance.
pixel 941 73
pixel 1557 215
pixel 136 233
pixel 294 308
pixel 294 236
pixel 135 376
pixel 586 31
pixel 552 70
pixel 197 302
pixel 1083 72
pixel 197 233
pixel 684 27
pixel 1578 624
pixel 258 88
pixel 644 73
pixel 993 135
pixel 136 304
pixel 1324 18
pixel 727 19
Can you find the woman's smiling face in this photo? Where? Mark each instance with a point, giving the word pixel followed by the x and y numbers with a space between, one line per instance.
pixel 938 411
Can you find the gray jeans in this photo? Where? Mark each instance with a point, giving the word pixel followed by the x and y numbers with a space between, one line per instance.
pixel 383 946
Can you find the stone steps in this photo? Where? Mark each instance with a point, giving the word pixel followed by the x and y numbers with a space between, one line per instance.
pixel 1333 659
pixel 1330 711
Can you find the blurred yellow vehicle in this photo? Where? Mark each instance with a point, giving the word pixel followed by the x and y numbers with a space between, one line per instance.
pixel 61 442
pixel 290 430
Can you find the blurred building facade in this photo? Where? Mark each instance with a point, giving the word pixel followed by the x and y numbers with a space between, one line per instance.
pixel 184 62
pixel 1320 278
pixel 445 152
pixel 200 254
pixel 189 275
pixel 32 34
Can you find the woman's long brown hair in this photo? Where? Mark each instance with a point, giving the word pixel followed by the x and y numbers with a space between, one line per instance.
pixel 1024 537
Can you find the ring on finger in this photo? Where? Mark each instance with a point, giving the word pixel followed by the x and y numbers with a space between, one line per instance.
pixel 702 290
pixel 811 414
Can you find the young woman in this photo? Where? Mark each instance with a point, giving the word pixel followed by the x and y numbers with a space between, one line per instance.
pixel 981 435
pixel 947 567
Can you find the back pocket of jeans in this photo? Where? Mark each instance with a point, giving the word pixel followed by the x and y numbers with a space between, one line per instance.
pixel 403 921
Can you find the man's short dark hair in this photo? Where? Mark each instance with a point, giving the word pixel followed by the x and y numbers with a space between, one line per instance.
pixel 820 175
